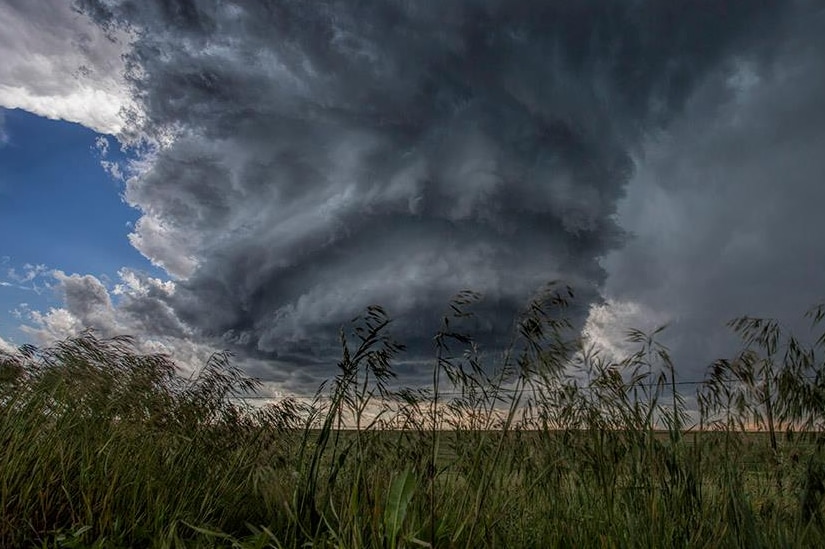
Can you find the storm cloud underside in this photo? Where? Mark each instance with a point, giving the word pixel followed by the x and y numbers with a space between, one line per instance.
pixel 319 157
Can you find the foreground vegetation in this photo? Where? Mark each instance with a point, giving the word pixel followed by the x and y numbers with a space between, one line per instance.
pixel 556 446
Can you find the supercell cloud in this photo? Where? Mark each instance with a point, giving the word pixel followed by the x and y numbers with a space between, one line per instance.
pixel 318 157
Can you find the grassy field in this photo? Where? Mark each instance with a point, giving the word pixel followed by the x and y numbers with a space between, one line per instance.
pixel 103 447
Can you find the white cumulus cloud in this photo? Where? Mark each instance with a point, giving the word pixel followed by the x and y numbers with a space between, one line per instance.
pixel 6 347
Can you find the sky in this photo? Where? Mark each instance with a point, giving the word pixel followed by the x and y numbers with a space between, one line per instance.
pixel 64 211
pixel 252 175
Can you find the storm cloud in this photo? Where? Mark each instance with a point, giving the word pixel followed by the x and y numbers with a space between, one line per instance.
pixel 57 63
pixel 726 204
pixel 314 158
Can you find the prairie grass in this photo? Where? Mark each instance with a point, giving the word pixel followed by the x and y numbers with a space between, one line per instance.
pixel 553 445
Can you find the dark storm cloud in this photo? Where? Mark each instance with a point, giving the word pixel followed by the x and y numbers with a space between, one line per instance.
pixel 331 155
pixel 727 205
pixel 150 313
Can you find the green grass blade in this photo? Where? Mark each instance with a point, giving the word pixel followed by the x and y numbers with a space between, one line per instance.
pixel 398 500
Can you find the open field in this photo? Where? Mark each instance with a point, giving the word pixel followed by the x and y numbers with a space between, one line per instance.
pixel 103 447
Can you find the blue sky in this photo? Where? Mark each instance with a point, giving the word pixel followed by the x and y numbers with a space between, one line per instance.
pixel 60 209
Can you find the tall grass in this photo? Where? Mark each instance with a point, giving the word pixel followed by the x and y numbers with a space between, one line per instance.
pixel 551 444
